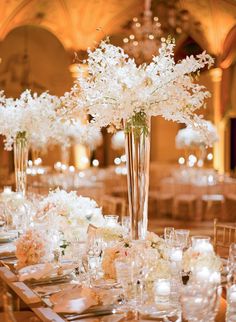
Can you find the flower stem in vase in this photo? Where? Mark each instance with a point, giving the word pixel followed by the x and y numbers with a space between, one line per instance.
pixel 137 139
pixel 20 161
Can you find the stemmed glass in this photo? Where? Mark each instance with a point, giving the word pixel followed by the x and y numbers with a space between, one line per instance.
pixel 94 253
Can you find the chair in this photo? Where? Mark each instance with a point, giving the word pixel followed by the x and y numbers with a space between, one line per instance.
pixel 230 207
pixel 212 206
pixel 224 235
pixel 9 315
pixel 113 206
pixel 162 203
pixel 185 206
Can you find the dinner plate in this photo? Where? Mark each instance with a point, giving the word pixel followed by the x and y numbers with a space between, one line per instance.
pixel 8 236
pixel 44 272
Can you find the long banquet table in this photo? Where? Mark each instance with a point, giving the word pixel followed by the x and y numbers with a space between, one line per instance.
pixel 25 292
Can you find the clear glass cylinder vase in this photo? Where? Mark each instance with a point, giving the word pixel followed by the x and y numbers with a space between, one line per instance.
pixel 137 147
pixel 21 161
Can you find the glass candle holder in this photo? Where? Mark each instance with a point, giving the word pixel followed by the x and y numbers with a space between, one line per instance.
pixel 7 190
pixel 202 244
pixel 162 290
pixel 111 220
pixel 176 254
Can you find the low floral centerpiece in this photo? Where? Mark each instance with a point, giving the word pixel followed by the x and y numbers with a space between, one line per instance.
pixel 31 248
pixel 67 210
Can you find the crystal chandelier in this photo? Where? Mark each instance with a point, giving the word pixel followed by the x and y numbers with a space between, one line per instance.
pixel 144 40
pixel 145 33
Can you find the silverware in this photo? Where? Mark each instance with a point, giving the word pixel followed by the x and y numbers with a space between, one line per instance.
pixel 90 315
pixel 49 282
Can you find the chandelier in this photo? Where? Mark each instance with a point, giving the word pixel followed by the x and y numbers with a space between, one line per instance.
pixel 145 33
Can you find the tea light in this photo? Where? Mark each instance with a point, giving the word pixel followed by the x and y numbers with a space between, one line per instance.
pixel 176 255
pixel 203 247
pixel 203 274
pixel 162 287
pixel 215 278
pixel 7 190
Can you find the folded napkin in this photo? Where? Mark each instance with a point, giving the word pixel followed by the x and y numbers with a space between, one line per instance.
pixel 40 271
pixel 76 300
pixel 7 250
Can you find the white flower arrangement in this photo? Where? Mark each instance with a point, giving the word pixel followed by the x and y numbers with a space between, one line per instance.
pixel 116 89
pixel 70 210
pixel 73 131
pixel 193 260
pixel 190 138
pixel 31 116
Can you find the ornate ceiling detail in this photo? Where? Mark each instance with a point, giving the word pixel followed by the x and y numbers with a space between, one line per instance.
pixel 79 24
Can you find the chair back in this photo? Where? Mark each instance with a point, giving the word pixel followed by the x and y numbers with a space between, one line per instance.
pixel 113 206
pixel 224 235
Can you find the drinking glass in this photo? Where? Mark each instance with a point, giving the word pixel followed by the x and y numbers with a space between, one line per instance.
pixel 182 237
pixel 125 274
pixel 195 300
pixel 3 216
pixel 94 252
pixel 126 223
pixel 169 234
pixel 111 220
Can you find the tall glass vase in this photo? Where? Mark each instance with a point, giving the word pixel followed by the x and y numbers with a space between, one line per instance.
pixel 20 161
pixel 137 147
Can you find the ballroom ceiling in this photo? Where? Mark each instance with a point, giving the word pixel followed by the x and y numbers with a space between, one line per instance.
pixel 79 24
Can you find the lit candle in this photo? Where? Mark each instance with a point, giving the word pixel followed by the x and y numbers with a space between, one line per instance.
pixel 162 287
pixel 203 247
pixel 203 274
pixel 7 190
pixel 176 255
pixel 215 277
